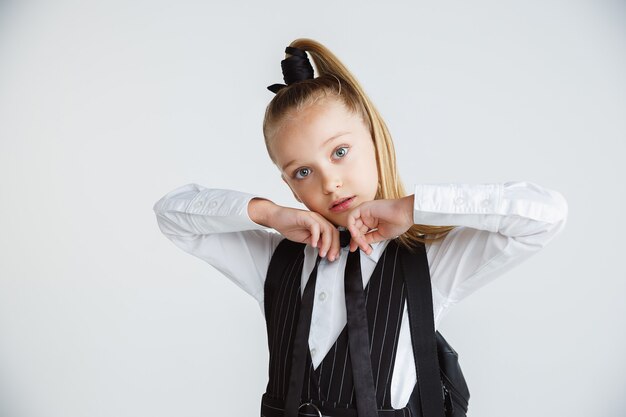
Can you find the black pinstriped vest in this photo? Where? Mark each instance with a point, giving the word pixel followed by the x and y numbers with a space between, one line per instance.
pixel 330 386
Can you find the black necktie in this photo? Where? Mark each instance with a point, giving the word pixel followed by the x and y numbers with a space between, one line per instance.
pixel 344 238
pixel 358 338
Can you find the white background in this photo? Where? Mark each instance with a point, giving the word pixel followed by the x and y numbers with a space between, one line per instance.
pixel 106 106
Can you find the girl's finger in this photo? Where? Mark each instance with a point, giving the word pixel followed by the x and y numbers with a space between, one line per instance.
pixel 365 247
pixel 327 236
pixel 315 234
pixel 356 240
pixel 335 246
pixel 359 237
pixel 362 227
pixel 353 245
pixel 353 216
pixel 373 236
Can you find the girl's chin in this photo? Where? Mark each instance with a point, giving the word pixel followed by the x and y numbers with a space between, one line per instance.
pixel 336 222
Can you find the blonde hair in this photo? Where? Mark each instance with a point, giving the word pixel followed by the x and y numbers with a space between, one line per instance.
pixel 335 79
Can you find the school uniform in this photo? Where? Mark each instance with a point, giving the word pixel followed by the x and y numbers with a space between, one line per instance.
pixel 331 386
pixel 499 226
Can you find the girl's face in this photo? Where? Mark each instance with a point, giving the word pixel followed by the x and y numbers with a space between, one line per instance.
pixel 326 154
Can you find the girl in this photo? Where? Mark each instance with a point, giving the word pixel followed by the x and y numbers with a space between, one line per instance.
pixel 334 152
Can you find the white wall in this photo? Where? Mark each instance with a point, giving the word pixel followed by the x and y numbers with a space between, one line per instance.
pixel 106 106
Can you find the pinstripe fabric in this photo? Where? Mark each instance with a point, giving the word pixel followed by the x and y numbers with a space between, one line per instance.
pixel 331 383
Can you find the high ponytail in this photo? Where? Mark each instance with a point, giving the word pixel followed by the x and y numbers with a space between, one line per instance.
pixel 334 79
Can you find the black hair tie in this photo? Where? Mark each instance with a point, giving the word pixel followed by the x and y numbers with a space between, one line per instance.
pixel 295 68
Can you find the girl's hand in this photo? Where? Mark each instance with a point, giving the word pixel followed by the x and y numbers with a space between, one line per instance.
pixel 308 227
pixel 391 218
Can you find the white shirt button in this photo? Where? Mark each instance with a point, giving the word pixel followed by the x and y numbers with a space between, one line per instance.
pixel 459 201
pixel 485 203
pixel 213 203
pixel 322 296
pixel 199 203
pixel 313 351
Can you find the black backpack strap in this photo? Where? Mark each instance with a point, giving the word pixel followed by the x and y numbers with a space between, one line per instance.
pixel 282 256
pixel 422 322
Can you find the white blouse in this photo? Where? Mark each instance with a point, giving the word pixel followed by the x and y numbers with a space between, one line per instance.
pixel 499 226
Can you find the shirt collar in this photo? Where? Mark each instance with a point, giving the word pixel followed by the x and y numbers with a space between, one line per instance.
pixel 377 250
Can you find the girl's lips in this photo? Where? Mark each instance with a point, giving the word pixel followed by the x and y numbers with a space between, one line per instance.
pixel 342 206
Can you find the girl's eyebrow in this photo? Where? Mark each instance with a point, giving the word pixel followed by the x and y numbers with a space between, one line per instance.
pixel 323 144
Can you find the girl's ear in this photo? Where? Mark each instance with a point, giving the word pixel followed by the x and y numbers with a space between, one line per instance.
pixel 294 193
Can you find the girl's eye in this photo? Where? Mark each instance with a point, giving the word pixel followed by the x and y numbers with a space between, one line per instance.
pixel 342 151
pixel 306 170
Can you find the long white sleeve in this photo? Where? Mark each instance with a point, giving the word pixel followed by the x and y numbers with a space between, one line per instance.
pixel 502 224
pixel 213 224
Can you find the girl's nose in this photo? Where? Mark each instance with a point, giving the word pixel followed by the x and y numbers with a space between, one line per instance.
pixel 331 182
